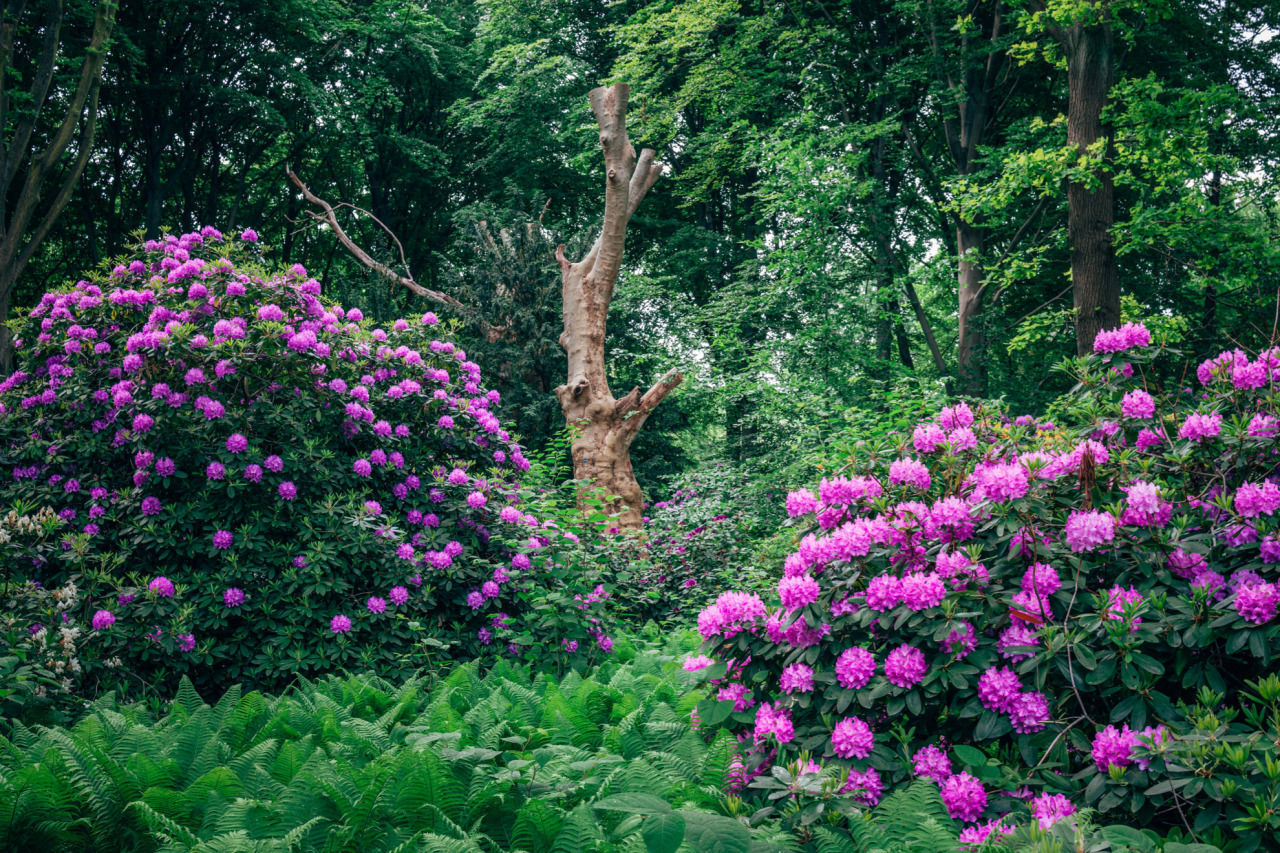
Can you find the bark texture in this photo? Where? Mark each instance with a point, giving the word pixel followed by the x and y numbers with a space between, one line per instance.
pixel 1095 284
pixel 29 157
pixel 605 427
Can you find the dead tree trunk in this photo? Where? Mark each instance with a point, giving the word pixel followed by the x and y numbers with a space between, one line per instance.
pixel 605 427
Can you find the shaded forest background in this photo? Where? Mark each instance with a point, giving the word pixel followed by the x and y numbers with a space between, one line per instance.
pixel 799 260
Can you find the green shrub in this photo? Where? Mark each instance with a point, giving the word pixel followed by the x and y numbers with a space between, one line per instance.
pixel 285 488
pixel 911 635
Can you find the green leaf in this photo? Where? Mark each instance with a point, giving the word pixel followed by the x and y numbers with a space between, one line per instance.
pixel 663 833
pixel 634 802
pixel 712 712
pixel 971 756
pixel 708 833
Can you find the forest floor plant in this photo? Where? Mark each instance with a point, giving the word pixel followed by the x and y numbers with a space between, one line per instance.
pixel 1016 609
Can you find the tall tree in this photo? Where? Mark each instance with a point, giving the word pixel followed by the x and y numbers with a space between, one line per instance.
pixel 605 426
pixel 40 117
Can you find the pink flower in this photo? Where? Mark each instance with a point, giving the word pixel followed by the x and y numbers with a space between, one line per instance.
pixel 855 667
pixel 102 620
pixel 773 721
pixel 852 738
pixel 961 641
pixel 1086 530
pixel 972 837
pixel 910 472
pixel 798 591
pixel 865 786
pixel 223 539
pixel 1028 712
pixel 1256 602
pixel 999 482
pixel 997 688
pixel 921 590
pixel 796 678
pixel 1138 404
pixel 1255 499
pixel 340 624
pixel 186 642
pixel 162 587
pixel 905 666
pixel 964 797
pixel 1048 809
pixel 398 595
pixel 1113 746
pixel 376 604
pixel 928 437
pixel 1119 600
pixel 1016 634
pixel 233 596
pixel 694 663
pixel 1128 336
pixel 932 763
pixel 884 592
pixel 237 443
pixel 1263 426
pixel 1042 579
pixel 1198 427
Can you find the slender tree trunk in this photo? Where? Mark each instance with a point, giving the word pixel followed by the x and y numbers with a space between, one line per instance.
pixel 971 360
pixel 1090 63
pixel 605 427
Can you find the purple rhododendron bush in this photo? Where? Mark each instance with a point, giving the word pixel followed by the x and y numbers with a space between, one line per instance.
pixel 252 483
pixel 1039 617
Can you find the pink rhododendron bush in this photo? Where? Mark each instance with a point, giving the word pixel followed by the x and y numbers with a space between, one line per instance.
pixel 1024 611
pixel 251 482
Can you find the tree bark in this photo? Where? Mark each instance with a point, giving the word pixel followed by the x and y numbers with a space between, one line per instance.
pixel 32 156
pixel 971 359
pixel 1090 208
pixel 605 427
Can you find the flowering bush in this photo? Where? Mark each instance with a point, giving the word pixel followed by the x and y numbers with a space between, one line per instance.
pixel 697 543
pixel 298 489
pixel 1015 608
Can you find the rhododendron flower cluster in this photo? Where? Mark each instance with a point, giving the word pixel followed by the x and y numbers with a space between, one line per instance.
pixel 985 580
pixel 309 436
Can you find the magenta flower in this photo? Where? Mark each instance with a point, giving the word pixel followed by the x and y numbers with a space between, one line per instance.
pixel 162 587
pixel 223 539
pixel 1048 809
pixel 340 624
pixel 855 667
pixel 796 678
pixel 997 688
pixel 1198 427
pixel 1113 746
pixel 1138 404
pixel 376 604
pixel 1256 602
pixel 237 443
pixel 865 786
pixel 273 463
pixel 932 763
pixel 1087 530
pixel 905 666
pixel 150 505
pixel 287 491
pixel 910 472
pixel 964 797
pixel 476 500
pixel 102 620
pixel 1029 712
pixel 362 467
pixel 922 590
pixel 398 595
pixel 798 591
pixel 186 642
pixel 852 738
pixel 1128 336
pixel 233 596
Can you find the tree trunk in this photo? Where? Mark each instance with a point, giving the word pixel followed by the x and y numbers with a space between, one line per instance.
pixel 1096 287
pixel 605 427
pixel 971 360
